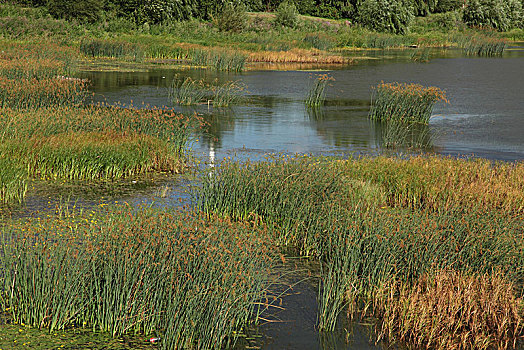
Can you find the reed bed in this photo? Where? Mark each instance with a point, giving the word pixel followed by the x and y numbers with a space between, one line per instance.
pixel 298 56
pixel 13 182
pixel 111 48
pixel 407 103
pixel 191 92
pixel 194 283
pixel 220 60
pixel 165 125
pixel 452 310
pixel 92 156
pixel 317 93
pixel 375 221
pixel 406 135
pixel 481 45
pixel 39 93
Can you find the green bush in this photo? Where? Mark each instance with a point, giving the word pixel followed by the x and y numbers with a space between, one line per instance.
pixel 392 16
pixel 232 18
pixel 83 10
pixel 499 14
pixel 287 14
pixel 447 5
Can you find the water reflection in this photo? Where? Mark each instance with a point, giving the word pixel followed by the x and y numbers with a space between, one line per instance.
pixel 484 116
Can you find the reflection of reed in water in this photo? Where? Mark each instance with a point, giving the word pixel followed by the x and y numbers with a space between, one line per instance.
pixel 315 113
pixel 405 135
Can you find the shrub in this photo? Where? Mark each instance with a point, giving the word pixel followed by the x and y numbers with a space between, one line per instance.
pixel 83 10
pixel 287 14
pixel 499 14
pixel 447 5
pixel 392 16
pixel 232 18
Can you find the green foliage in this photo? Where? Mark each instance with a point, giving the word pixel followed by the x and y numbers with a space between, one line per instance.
pixel 83 10
pixel 498 14
pixel 393 16
pixel 231 18
pixel 287 14
pixel 447 5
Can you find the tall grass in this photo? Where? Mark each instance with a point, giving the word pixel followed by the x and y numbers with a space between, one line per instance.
pixel 13 182
pixel 92 156
pixel 372 221
pixel 190 92
pixel 480 45
pixel 112 48
pixel 24 94
pixel 406 135
pixel 192 282
pixel 317 93
pixel 406 103
pixel 220 60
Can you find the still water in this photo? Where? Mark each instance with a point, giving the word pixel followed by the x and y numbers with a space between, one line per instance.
pixel 484 117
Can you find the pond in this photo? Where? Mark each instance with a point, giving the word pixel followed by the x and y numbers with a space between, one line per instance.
pixel 484 118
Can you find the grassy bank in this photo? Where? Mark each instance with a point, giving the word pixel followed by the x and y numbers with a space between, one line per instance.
pixel 48 132
pixel 192 282
pixel 384 228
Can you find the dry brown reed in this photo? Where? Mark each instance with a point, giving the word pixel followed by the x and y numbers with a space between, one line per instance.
pixel 298 56
pixel 451 310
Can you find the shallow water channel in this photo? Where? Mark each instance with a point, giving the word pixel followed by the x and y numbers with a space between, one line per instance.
pixel 484 118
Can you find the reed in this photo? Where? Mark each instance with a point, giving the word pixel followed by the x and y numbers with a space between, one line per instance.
pixel 113 49
pixel 38 93
pixel 452 310
pixel 13 182
pixel 219 60
pixel 480 45
pixel 192 282
pixel 91 156
pixel 227 94
pixel 371 221
pixel 406 135
pixel 298 56
pixel 317 93
pixel 187 91
pixel 406 103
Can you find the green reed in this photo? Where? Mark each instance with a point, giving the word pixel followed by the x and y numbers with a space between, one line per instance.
pixel 192 282
pixel 13 182
pixel 34 93
pixel 373 220
pixel 92 156
pixel 113 49
pixel 187 91
pixel 317 93
pixel 480 45
pixel 406 103
pixel 220 60
pixel 227 94
pixel 409 135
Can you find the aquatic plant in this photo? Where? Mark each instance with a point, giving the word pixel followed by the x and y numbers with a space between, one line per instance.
pixel 13 182
pixel 406 103
pixel 194 283
pixel 111 48
pixel 218 59
pixel 409 135
pixel 224 95
pixel 475 44
pixel 317 92
pixel 187 91
pixel 38 93
pixel 450 310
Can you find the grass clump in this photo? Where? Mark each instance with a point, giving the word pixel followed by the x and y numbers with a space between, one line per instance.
pixel 34 93
pixel 452 310
pixel 219 60
pixel 317 93
pixel 192 282
pixel 13 182
pixel 113 49
pixel 406 103
pixel 190 92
